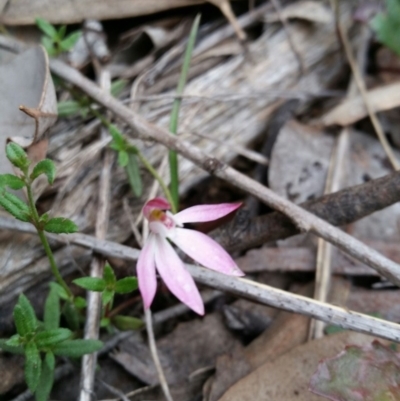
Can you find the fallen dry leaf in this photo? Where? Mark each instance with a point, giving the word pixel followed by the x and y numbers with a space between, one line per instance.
pixel 26 84
pixel 287 377
pixel 313 11
pixel 353 109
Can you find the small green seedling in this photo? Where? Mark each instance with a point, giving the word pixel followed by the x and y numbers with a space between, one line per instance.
pixel 127 159
pixel 55 41
pixel 41 342
pixel 108 285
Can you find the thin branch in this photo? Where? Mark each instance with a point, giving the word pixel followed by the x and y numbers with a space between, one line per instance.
pixel 94 302
pixel 304 220
pixel 257 292
pixel 154 354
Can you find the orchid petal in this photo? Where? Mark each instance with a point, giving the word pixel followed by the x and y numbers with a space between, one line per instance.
pixel 176 277
pixel 204 250
pixel 146 271
pixel 201 213
pixel 156 203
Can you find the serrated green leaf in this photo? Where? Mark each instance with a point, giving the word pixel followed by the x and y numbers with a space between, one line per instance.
pixel 11 181
pixel 46 27
pixel 80 302
pixel 109 276
pixel 60 225
pixel 19 350
pixel 17 156
pixel 118 86
pixel 107 296
pixel 125 323
pixel 51 337
pixel 91 283
pixel 33 366
pixel 68 108
pixel 24 317
pixel 51 315
pixel 15 206
pixel 77 348
pixel 123 158
pixel 46 379
pixel 134 177
pixel 126 285
pixel 59 290
pixel 46 167
pixel 69 42
pixel 71 315
pixel 118 142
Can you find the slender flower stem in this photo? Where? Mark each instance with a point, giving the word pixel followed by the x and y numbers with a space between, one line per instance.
pixel 173 125
pixel 45 242
pixel 155 174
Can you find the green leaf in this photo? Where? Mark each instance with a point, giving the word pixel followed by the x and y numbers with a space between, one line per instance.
pixel 118 86
pixel 15 206
pixel 51 315
pixel 69 42
pixel 134 177
pixel 118 142
pixel 14 341
pixel 109 276
pixel 68 108
pixel 33 365
pixel 105 322
pixel 17 156
pixel 24 316
pixel 107 296
pixel 60 225
pixel 61 32
pixel 77 348
pixel 71 315
pixel 387 26
pixel 11 181
pixel 125 323
pixel 91 283
pixel 51 337
pixel 80 302
pixel 48 44
pixel 46 27
pixel 60 290
pixel 126 285
pixel 46 167
pixel 19 350
pixel 123 158
pixel 46 380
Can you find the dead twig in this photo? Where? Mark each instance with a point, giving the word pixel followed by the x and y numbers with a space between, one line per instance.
pixel 304 220
pixel 94 302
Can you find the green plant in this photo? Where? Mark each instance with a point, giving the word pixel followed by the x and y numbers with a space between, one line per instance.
pixel 108 285
pixel 40 343
pixel 55 41
pixel 387 26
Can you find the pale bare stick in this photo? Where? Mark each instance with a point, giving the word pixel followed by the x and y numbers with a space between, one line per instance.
pixel 257 292
pixel 154 354
pixel 94 302
pixel 304 220
pixel 324 251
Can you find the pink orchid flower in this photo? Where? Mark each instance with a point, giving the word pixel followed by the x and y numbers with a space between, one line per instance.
pixel 157 252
